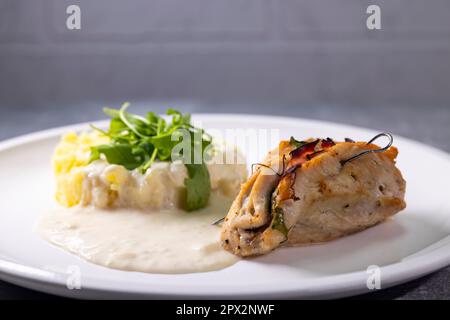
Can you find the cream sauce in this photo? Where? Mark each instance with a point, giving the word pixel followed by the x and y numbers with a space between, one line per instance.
pixel 164 241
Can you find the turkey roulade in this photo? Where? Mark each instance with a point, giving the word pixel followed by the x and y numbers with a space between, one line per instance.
pixel 313 191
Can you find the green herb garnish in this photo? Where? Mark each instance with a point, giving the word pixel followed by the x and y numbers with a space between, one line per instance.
pixel 138 141
pixel 278 221
pixel 198 186
pixel 296 143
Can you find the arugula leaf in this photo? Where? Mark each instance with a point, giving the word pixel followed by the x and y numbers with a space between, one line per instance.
pixel 121 154
pixel 198 186
pixel 152 117
pixel 137 141
pixel 95 155
pixel 116 126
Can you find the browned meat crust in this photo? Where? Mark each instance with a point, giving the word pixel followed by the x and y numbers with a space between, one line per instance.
pixel 311 196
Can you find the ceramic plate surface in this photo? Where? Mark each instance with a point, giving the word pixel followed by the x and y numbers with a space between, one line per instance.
pixel 414 243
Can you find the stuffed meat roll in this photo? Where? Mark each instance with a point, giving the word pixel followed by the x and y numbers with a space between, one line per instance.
pixel 313 191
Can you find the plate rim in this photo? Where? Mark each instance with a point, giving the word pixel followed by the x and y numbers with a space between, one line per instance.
pixel 339 285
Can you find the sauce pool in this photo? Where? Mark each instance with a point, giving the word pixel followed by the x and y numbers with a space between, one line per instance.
pixel 163 241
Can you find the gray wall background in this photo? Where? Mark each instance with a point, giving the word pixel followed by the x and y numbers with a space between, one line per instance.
pixel 286 52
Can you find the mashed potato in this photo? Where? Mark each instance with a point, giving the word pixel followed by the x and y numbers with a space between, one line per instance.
pixel 104 185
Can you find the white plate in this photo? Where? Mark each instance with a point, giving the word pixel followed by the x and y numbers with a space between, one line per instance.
pixel 414 243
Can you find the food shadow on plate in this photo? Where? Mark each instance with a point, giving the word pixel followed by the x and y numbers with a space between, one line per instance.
pixel 381 245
